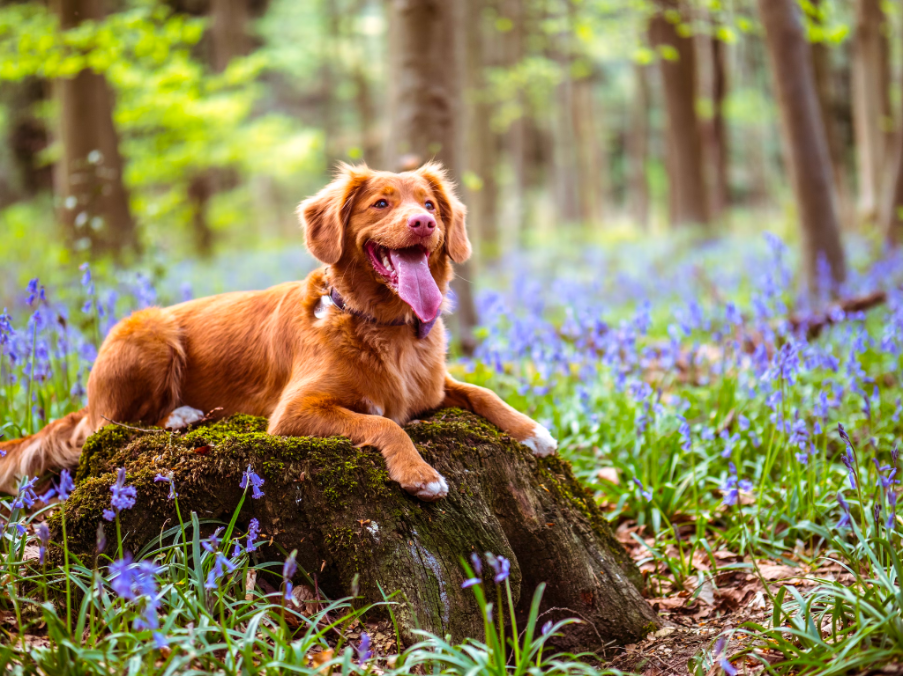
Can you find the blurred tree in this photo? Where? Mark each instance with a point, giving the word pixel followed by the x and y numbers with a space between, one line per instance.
pixel 425 122
pixel 481 157
pixel 94 203
pixel 638 143
pixel 890 198
pixel 688 201
pixel 715 134
pixel 871 104
pixel 807 151
pixel 828 104
pixel 516 138
pixel 26 138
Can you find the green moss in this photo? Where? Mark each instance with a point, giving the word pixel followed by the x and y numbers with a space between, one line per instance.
pixel 99 447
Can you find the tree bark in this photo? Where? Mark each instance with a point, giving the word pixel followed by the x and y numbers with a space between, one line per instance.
pixel 516 140
pixel 870 102
pixel 714 129
pixel 89 175
pixel 687 186
pixel 26 138
pixel 481 140
pixel 890 202
pixel 823 72
pixel 335 504
pixel 807 150
pixel 638 148
pixel 425 116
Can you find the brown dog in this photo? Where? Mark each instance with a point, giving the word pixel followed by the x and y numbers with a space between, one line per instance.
pixel 351 351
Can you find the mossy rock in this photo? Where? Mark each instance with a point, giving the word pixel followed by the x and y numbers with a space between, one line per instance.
pixel 335 504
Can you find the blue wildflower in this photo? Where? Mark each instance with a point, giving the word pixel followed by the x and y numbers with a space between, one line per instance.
pixel 364 648
pixel 648 495
pixel 123 496
pixel 845 520
pixel 254 529
pixel 256 482
pixel 44 537
pixel 172 485
pixel 26 496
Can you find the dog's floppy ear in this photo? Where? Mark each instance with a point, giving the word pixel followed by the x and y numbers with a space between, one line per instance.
pixel 451 211
pixel 325 216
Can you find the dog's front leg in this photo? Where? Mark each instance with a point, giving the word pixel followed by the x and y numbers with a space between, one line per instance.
pixel 322 417
pixel 487 403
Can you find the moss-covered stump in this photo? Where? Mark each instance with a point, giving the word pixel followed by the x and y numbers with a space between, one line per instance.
pixel 336 505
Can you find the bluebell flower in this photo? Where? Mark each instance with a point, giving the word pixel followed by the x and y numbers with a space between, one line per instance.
pixel 648 495
pixel 289 567
pixel 719 652
pixel 109 514
pixel 221 566
pixel 212 544
pixel 730 441
pixel 172 485
pixel 255 481
pixel 364 648
pixel 26 496
pixel 123 496
pixel 476 563
pixel 743 422
pixel 160 640
pixel 470 582
pixel 101 541
pixel 254 529
pixel 845 520
pixel 732 486
pixel 684 429
pixel 44 537
pixel 892 498
pixel 546 628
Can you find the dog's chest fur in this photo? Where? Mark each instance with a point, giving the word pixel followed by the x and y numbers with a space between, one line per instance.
pixel 399 379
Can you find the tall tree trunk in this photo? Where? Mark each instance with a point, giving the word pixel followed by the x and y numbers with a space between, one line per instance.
pixel 822 69
pixel 592 180
pixel 26 137
pixel 481 141
pixel 714 129
pixel 517 136
pixel 687 187
pixel 890 204
pixel 638 144
pixel 425 124
pixel 228 39
pixel 871 105
pixel 807 150
pixel 89 175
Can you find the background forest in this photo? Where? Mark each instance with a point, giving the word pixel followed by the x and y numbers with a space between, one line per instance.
pixel 687 223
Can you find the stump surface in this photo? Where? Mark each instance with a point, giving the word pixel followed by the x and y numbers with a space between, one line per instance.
pixel 335 504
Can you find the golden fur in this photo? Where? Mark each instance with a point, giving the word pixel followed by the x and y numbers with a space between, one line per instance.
pixel 266 353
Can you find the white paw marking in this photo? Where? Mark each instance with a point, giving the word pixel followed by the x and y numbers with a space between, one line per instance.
pixel 433 490
pixel 541 443
pixel 183 417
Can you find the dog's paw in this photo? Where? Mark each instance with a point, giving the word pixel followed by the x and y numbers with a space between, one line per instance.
pixel 183 417
pixel 429 485
pixel 541 442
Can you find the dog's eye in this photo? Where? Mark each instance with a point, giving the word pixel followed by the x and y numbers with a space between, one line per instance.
pixel 381 204
pixel 429 205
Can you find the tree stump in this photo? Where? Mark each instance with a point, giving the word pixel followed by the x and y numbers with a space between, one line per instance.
pixel 335 504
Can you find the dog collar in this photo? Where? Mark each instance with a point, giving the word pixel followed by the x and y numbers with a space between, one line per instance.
pixel 421 329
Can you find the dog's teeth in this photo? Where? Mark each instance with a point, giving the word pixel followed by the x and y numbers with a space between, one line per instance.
pixel 386 263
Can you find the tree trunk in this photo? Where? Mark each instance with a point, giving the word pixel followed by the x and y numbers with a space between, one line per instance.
pixel 822 71
pixel 89 175
pixel 26 138
pixel 807 150
pixel 870 102
pixel 228 32
pixel 687 187
pixel 638 144
pixel 335 504
pixel 714 129
pixel 592 181
pixel 481 197
pixel 517 135
pixel 890 203
pixel 425 121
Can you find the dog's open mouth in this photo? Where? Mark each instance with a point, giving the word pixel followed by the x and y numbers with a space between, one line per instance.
pixel 407 272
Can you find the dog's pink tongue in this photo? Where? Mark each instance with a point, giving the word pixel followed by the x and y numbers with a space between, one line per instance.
pixel 416 285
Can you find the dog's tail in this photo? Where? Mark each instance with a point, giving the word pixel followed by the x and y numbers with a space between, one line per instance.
pixel 56 446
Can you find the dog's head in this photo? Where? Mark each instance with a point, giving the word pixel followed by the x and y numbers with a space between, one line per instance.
pixel 389 237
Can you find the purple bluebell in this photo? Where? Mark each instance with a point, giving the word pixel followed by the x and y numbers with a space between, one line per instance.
pixel 212 544
pixel 732 486
pixel 172 484
pixel 26 496
pixel 647 495
pixel 254 529
pixel 845 520
pixel 256 482
pixel 365 652
pixel 123 496
pixel 44 537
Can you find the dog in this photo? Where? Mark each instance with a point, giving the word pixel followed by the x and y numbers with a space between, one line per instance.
pixel 356 350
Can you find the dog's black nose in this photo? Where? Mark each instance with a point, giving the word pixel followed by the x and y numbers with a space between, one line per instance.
pixel 422 224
